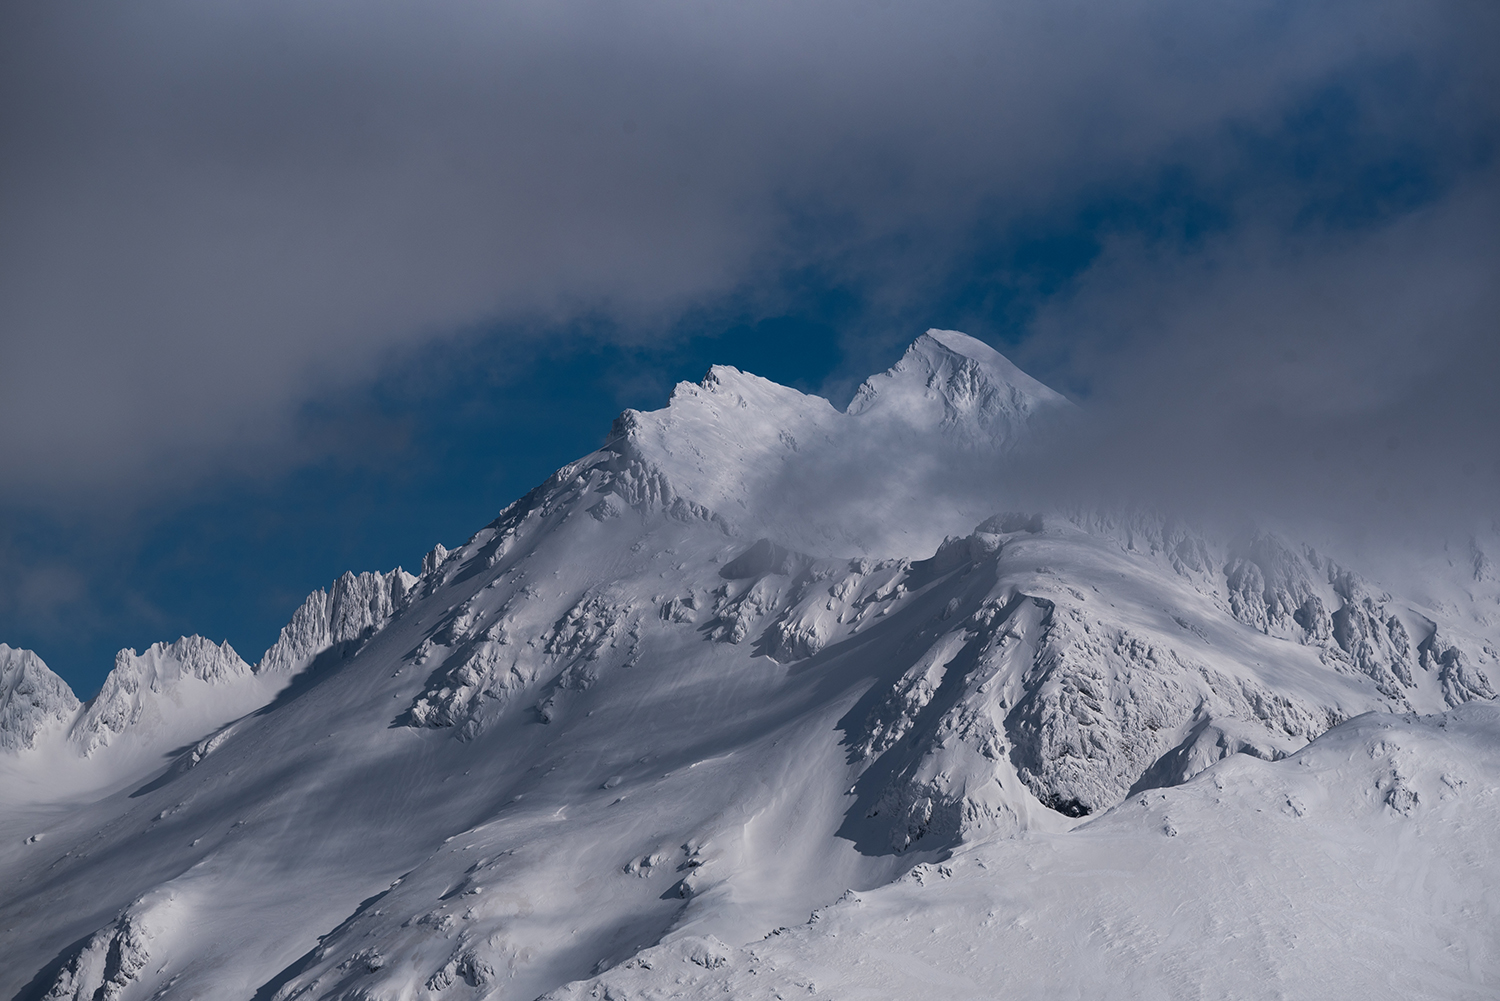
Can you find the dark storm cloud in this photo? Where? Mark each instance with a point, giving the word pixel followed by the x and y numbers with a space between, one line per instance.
pixel 211 212
pixel 1334 376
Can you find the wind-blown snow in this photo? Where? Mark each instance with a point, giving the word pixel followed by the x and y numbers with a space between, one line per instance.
pixel 749 662
pixel 764 460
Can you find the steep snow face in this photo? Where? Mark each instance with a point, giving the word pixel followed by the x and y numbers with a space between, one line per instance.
pixel 32 699
pixel 692 688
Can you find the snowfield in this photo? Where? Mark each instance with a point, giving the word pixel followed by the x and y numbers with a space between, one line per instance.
pixel 1362 866
pixel 747 704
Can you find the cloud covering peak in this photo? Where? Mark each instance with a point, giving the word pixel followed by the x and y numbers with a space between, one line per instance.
pixel 213 214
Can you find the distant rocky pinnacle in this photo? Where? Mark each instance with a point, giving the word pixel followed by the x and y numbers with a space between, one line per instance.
pixel 32 699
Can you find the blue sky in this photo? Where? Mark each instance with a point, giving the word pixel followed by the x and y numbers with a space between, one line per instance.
pixel 266 327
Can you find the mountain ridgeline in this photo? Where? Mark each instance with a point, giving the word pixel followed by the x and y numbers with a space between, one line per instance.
pixel 748 661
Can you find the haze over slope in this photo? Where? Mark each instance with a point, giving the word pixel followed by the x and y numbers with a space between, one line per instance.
pixel 752 654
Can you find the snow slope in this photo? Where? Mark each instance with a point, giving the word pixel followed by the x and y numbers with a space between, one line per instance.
pixel 1363 866
pixel 744 658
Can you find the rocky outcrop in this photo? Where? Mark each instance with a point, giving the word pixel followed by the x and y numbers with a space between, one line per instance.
pixel 478 662
pixel 110 960
pixel 1303 596
pixel 1460 678
pixel 353 608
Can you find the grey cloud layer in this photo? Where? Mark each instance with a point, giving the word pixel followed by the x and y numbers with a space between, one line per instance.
pixel 210 211
pixel 1347 378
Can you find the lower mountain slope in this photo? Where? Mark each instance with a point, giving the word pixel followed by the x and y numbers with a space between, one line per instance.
pixel 1365 865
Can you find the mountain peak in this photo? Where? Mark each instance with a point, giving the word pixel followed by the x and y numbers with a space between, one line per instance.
pixel 32 698
pixel 612 687
pixel 947 345
pixel 767 460
pixel 142 684
pixel 949 380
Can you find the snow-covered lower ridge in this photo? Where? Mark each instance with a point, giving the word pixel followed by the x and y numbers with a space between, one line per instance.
pixel 173 691
pixel 1033 654
pixel 633 727
pixel 107 965
pixel 791 606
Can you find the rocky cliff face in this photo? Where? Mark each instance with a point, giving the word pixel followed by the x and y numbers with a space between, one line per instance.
pixel 353 608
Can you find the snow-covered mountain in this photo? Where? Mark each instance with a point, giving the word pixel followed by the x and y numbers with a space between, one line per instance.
pixel 749 662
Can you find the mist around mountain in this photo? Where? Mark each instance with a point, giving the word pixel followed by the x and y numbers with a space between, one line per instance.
pixel 767 699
